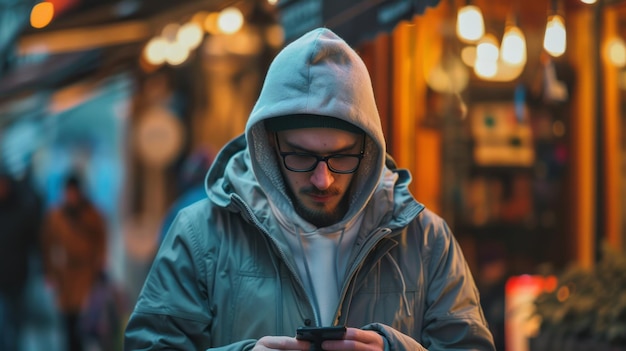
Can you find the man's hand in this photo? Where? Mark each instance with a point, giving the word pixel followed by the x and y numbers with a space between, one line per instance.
pixel 281 343
pixel 356 340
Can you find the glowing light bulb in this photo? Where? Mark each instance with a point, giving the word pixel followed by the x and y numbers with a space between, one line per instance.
pixel 230 20
pixel 470 26
pixel 616 52
pixel 485 68
pixel 487 53
pixel 177 53
pixel 555 39
pixel 41 15
pixel 156 50
pixel 190 34
pixel 487 48
pixel 513 48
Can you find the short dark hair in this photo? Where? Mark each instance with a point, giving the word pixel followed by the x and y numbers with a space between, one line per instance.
pixel 299 121
pixel 73 180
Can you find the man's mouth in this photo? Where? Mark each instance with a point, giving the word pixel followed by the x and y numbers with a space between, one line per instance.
pixel 321 196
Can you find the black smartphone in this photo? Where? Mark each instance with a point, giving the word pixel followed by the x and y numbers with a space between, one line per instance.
pixel 319 334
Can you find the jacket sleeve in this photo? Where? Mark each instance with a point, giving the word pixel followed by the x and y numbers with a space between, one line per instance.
pixel 394 340
pixel 172 311
pixel 453 317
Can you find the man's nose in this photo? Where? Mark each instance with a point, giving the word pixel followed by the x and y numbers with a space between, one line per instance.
pixel 322 177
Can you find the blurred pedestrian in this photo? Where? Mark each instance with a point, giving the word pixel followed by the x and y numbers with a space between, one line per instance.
pixel 74 247
pixel 20 214
pixel 190 185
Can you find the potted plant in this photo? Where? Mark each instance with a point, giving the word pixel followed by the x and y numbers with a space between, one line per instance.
pixel 587 310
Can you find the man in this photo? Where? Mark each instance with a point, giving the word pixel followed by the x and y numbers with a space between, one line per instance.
pixel 309 223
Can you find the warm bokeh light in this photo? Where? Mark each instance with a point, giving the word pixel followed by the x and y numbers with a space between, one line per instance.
pixel 487 53
pixel 41 15
pixel 210 23
pixel 485 68
pixel 513 48
pixel 487 48
pixel 588 2
pixel 272 2
pixel 616 52
pixel 470 26
pixel 177 53
pixel 554 41
pixel 468 55
pixel 275 35
pixel 230 20
pixel 563 293
pixel 190 35
pixel 449 76
pixel 170 31
pixel 199 17
pixel 156 50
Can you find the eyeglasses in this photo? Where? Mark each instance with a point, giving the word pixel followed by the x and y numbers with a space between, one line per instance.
pixel 306 162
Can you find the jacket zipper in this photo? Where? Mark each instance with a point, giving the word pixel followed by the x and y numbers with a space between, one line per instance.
pixel 374 239
pixel 283 256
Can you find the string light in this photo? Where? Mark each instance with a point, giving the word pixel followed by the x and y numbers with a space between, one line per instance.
pixel 487 54
pixel 555 39
pixel 513 48
pixel 470 26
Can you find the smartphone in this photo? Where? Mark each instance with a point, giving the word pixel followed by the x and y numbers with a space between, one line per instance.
pixel 319 334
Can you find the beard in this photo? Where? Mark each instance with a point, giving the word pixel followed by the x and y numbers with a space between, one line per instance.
pixel 322 216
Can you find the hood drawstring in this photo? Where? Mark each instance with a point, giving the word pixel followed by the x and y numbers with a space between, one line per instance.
pixel 316 307
pixel 351 293
pixel 337 270
pixel 404 298
pixel 279 289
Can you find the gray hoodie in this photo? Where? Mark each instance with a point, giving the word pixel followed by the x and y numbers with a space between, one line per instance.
pixel 225 274
pixel 318 75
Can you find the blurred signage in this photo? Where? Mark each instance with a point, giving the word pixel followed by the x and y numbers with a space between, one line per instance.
pixel 501 137
pixel 520 320
pixel 355 20
pixel 159 137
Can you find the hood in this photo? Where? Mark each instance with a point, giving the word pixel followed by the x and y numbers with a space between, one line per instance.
pixel 317 74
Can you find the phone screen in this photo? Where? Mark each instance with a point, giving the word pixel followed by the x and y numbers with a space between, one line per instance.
pixel 319 334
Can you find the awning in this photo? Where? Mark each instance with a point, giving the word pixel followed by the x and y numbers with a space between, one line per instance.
pixel 355 21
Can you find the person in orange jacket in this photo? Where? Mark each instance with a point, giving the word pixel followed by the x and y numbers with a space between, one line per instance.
pixel 74 249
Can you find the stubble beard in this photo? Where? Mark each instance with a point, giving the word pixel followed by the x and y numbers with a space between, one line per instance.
pixel 322 217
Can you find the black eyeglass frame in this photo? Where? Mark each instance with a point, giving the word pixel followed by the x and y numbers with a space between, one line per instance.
pixel 319 158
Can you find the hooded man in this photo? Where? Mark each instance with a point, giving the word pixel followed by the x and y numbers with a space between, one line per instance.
pixel 308 222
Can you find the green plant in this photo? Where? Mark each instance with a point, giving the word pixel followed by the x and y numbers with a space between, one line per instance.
pixel 588 304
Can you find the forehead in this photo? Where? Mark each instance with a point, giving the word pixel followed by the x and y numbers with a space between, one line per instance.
pixel 319 138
